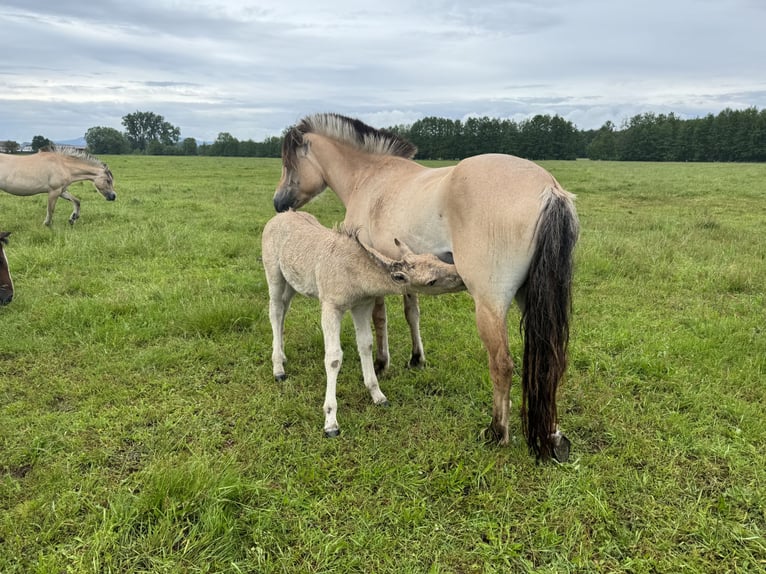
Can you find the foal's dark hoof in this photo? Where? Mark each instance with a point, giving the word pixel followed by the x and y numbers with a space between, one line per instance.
pixel 561 450
pixel 280 378
pixel 380 367
pixel 384 404
pixel 332 433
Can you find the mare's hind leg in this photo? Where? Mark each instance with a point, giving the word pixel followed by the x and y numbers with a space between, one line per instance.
pixel 381 335
pixel 494 334
pixel 75 206
pixel 412 314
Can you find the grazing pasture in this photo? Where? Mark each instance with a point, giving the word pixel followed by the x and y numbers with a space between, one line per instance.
pixel 141 429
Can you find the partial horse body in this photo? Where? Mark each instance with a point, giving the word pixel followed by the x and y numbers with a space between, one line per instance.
pixel 300 255
pixel 6 283
pixel 507 224
pixel 52 172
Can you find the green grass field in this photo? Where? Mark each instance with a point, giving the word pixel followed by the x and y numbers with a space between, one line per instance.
pixel 141 429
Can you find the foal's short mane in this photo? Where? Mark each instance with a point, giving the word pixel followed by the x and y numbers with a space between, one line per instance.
pixel 78 154
pixel 347 130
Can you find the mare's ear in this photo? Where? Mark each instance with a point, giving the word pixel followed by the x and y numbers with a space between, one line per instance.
pixel 400 277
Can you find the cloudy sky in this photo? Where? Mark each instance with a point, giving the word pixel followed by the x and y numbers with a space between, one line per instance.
pixel 252 68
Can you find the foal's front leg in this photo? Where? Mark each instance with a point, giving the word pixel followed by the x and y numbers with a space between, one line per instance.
pixel 361 315
pixel 333 357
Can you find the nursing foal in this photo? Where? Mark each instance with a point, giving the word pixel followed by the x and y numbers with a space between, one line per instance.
pixel 301 255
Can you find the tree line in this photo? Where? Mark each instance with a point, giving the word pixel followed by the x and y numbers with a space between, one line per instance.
pixel 730 136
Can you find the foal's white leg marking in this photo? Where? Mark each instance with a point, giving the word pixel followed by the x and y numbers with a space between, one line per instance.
pixel 362 315
pixel 381 335
pixel 333 358
pixel 75 203
pixel 412 314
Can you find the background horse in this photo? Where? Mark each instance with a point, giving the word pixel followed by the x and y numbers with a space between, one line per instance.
pixel 506 223
pixel 6 283
pixel 52 172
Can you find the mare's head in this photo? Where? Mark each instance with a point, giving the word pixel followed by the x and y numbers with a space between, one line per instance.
pixel 419 272
pixel 303 176
pixel 104 182
pixel 6 284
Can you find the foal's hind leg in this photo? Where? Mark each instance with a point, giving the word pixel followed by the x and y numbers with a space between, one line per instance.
pixel 412 314
pixel 494 334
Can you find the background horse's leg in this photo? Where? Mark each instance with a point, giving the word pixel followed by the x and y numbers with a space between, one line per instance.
pixel 333 358
pixel 75 204
pixel 361 315
pixel 494 334
pixel 412 314
pixel 381 335
pixel 53 196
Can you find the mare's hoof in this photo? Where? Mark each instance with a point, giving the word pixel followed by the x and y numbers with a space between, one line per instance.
pixel 491 436
pixel 561 450
pixel 385 404
pixel 380 367
pixel 280 378
pixel 332 433
pixel 416 362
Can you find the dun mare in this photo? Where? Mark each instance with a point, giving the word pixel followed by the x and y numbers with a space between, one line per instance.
pixel 52 172
pixel 505 222
pixel 6 283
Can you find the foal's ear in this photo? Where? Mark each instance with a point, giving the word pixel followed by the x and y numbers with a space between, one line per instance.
pixel 400 277
pixel 403 247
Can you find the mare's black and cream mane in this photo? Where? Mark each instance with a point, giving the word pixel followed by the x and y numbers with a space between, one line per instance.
pixel 347 130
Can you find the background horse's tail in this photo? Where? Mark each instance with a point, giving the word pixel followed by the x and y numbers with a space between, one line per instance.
pixel 545 319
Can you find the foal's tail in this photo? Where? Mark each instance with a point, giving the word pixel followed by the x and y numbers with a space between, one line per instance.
pixel 545 319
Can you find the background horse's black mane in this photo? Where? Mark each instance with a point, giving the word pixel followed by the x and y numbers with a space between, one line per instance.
pixel 348 130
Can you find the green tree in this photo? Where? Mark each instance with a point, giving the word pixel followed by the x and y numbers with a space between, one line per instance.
pixel 41 142
pixel 9 146
pixel 144 127
pixel 189 146
pixel 106 140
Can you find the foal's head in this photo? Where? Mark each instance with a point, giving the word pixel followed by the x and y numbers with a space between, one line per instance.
pixel 6 284
pixel 420 272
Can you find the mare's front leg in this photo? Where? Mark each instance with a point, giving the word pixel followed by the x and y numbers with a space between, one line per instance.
pixel 412 314
pixel 333 357
pixel 362 314
pixel 53 196
pixel 382 357
pixel 493 331
pixel 75 205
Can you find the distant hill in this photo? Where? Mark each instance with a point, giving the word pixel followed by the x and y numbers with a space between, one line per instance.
pixel 77 142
